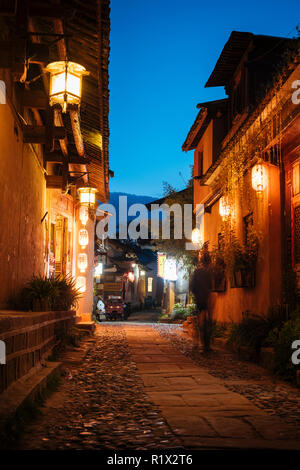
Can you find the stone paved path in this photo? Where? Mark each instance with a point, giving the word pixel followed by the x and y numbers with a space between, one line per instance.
pixel 134 390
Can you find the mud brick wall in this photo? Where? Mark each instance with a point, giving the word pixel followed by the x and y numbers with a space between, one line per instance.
pixel 30 337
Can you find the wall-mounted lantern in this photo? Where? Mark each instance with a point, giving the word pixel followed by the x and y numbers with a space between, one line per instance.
pixel 87 196
pixel 82 262
pixel 197 238
pixel 259 177
pixel 65 83
pixel 81 284
pixel 83 215
pixel 83 238
pixel 142 273
pixel 224 207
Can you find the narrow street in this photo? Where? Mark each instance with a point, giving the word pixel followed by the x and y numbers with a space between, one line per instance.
pixel 136 390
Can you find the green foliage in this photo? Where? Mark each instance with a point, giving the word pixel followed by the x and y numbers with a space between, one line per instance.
pixel 281 339
pixel 59 293
pixel 239 256
pixel 254 329
pixel 219 329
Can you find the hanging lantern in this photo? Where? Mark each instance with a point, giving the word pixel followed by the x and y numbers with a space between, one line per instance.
pixel 87 196
pixel 197 238
pixel 131 276
pixel 83 238
pixel 259 177
pixel 142 273
pixel 224 207
pixel 83 215
pixel 82 262
pixel 65 83
pixel 81 284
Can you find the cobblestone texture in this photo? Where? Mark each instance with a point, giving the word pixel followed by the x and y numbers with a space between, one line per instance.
pixel 275 397
pixel 103 406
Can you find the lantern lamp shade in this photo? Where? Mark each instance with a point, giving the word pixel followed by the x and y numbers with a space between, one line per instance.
pixel 83 214
pixel 83 238
pixel 197 236
pixel 259 177
pixel 99 269
pixel 143 273
pixel 82 262
pixel 65 83
pixel 224 207
pixel 131 276
pixel 87 196
pixel 81 284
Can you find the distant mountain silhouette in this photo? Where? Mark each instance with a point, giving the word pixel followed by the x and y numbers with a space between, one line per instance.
pixel 131 199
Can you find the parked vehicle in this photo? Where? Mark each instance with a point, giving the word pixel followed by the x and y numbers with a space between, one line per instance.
pixel 114 308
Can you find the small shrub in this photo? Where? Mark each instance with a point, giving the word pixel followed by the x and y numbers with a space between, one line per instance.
pixel 281 339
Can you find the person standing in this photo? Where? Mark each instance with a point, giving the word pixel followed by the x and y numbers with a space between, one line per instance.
pixel 200 286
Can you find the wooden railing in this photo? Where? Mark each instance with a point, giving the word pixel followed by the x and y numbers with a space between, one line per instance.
pixel 29 337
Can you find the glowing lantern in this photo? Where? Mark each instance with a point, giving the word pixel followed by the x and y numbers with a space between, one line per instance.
pixel 83 214
pixel 133 265
pixel 224 207
pixel 98 269
pixel 81 284
pixel 170 269
pixel 259 177
pixel 83 238
pixel 197 238
pixel 65 83
pixel 143 273
pixel 87 196
pixel 131 276
pixel 82 262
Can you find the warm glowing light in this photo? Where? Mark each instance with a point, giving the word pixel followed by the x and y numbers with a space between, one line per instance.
pixel 143 273
pixel 197 238
pixel 131 276
pixel 150 282
pixel 83 238
pixel 87 196
pixel 83 214
pixel 82 262
pixel 65 83
pixel 99 269
pixel 224 207
pixel 133 265
pixel 161 258
pixel 81 284
pixel 170 269
pixel 259 177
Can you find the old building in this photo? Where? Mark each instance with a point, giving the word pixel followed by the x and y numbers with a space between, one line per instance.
pixel 54 140
pixel 246 174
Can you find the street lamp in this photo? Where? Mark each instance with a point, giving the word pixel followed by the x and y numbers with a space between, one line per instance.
pixel 65 83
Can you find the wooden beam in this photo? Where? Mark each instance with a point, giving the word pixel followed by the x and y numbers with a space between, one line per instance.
pixel 54 181
pixel 38 53
pixel 55 11
pixel 57 157
pixel 35 99
pixel 39 135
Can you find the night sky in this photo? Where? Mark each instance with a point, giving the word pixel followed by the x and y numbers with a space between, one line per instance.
pixel 162 53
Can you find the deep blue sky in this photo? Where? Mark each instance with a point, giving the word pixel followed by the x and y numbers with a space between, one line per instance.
pixel 162 53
